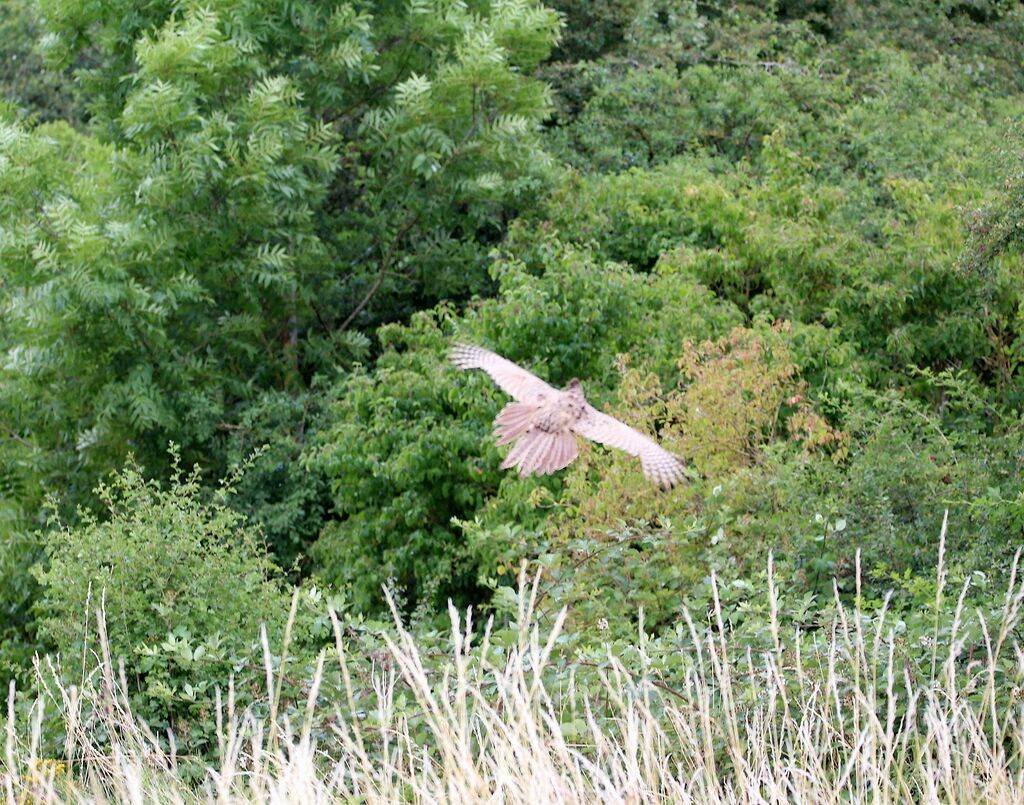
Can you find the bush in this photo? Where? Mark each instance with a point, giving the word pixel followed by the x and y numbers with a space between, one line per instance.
pixel 872 262
pixel 24 80
pixel 184 587
pixel 404 449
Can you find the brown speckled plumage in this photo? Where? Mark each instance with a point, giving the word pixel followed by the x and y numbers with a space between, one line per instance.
pixel 542 422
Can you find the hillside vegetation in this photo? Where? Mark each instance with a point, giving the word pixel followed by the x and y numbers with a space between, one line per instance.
pixel 244 493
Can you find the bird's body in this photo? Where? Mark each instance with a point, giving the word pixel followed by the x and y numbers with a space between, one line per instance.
pixel 563 412
pixel 543 421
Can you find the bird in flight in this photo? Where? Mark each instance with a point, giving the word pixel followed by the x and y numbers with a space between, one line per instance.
pixel 545 420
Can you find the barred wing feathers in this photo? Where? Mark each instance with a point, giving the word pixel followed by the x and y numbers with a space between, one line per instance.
pixel 513 379
pixel 659 465
pixel 542 450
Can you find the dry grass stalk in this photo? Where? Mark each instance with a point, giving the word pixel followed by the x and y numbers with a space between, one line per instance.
pixel 822 729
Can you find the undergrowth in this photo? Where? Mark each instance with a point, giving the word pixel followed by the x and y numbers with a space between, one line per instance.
pixel 843 720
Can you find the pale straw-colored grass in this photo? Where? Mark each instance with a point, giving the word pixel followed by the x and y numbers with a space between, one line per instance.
pixel 833 727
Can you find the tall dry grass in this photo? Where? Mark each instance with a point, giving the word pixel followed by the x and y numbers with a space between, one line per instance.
pixel 830 727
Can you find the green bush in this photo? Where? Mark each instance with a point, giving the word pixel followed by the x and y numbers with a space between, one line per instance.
pixel 285 499
pixel 867 247
pixel 975 40
pixel 592 27
pixel 403 449
pixel 184 588
pixel 645 116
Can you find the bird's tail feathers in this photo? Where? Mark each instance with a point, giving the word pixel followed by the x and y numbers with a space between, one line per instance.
pixel 542 453
pixel 514 420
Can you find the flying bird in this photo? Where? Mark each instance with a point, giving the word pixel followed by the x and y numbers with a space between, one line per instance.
pixel 543 421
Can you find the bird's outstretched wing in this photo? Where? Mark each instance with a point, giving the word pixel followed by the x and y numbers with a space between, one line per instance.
pixel 659 465
pixel 513 379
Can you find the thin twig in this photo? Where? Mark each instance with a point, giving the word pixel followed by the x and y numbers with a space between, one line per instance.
pixel 410 222
pixel 14 435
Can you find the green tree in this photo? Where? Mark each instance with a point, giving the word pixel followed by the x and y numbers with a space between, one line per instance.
pixel 256 183
pixel 258 180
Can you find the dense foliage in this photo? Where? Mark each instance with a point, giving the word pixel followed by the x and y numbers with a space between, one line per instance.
pixel 154 571
pixel 785 237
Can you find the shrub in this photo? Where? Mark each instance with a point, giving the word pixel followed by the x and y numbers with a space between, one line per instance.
pixel 184 587
pixel 24 82
pixel 794 243
pixel 404 449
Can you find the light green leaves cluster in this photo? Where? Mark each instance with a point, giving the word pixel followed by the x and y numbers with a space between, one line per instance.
pixel 161 566
pixel 257 179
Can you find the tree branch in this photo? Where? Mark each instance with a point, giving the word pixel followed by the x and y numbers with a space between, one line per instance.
pixel 410 222
pixel 16 436
pixel 385 264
